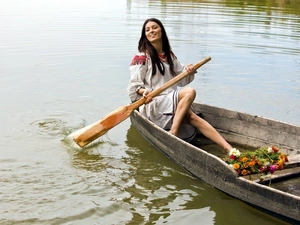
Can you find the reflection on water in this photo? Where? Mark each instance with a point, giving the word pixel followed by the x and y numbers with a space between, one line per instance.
pixel 162 188
pixel 64 65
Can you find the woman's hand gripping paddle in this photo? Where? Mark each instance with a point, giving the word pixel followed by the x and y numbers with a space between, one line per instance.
pixel 89 133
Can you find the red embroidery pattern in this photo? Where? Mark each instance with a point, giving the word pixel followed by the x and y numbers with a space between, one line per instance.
pixel 138 60
pixel 163 57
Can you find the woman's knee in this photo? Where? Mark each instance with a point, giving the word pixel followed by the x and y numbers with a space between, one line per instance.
pixel 187 92
pixel 191 91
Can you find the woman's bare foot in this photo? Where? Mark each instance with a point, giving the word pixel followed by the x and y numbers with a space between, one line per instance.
pixel 173 132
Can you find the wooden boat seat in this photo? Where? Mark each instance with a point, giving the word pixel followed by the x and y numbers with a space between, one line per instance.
pixel 294 160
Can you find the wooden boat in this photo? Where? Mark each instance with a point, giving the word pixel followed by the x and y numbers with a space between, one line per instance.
pixel 278 195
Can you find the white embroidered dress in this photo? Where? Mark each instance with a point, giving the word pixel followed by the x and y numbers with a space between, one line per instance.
pixel 162 108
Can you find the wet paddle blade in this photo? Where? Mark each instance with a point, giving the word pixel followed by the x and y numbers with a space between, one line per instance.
pixel 88 134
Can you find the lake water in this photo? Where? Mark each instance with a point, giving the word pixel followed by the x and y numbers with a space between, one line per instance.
pixel 64 65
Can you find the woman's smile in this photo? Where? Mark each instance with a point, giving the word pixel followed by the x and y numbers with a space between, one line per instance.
pixel 152 31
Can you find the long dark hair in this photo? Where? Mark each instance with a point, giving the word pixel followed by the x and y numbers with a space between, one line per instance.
pixel 146 47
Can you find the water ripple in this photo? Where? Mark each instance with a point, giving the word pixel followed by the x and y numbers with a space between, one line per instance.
pixel 60 59
pixel 52 124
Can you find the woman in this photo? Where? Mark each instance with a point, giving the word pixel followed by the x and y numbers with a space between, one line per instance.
pixel 154 65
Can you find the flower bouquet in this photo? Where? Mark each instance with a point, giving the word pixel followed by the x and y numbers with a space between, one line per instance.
pixel 263 160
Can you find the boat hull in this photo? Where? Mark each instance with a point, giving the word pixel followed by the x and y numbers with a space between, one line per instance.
pixel 213 170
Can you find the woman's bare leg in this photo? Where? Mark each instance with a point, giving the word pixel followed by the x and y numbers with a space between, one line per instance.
pixel 186 98
pixel 184 112
pixel 207 130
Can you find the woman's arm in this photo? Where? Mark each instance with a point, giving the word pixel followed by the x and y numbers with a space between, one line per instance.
pixel 138 70
pixel 179 68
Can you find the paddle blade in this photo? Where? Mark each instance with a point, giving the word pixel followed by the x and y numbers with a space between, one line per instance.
pixel 88 134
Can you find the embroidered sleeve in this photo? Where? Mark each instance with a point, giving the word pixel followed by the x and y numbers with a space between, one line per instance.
pixel 138 60
pixel 138 71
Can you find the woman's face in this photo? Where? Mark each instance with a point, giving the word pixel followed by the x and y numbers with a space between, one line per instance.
pixel 153 32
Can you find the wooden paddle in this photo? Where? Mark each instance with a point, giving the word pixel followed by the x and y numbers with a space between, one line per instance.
pixel 89 133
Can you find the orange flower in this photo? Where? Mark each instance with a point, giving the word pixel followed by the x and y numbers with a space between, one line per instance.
pixel 236 166
pixel 279 165
pixel 252 163
pixel 244 159
pixel 284 157
pixel 244 172
pixel 275 149
pixel 246 165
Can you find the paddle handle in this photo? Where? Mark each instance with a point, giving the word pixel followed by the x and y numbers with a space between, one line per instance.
pixel 168 84
pixel 95 130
